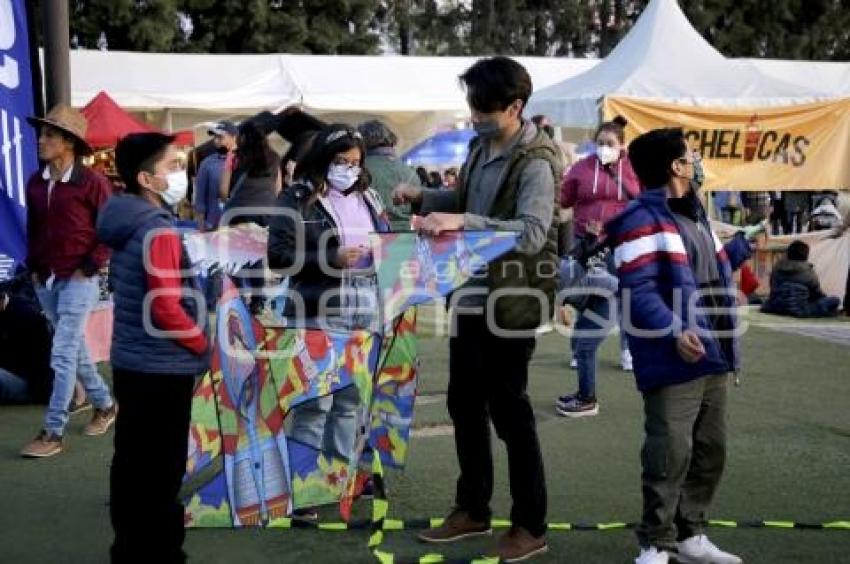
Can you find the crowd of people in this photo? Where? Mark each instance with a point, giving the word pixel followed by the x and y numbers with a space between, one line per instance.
pixel 788 212
pixel 643 253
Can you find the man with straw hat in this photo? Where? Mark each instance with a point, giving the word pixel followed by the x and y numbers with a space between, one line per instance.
pixel 64 257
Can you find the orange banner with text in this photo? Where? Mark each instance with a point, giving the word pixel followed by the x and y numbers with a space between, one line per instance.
pixel 803 147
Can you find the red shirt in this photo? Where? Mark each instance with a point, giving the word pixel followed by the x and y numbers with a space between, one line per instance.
pixel 61 234
pixel 168 314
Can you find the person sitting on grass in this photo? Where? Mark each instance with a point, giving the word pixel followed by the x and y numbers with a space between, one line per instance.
pixel 795 289
pixel 25 342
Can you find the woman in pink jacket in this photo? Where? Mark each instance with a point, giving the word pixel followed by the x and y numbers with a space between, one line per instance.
pixel 598 188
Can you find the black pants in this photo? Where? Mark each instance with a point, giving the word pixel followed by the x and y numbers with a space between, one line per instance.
pixel 488 376
pixel 683 456
pixel 151 443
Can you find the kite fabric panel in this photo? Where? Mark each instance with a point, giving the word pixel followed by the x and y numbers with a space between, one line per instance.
pixel 248 463
pixel 413 269
pixel 243 469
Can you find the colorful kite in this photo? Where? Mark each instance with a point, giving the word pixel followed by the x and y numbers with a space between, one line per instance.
pixel 413 269
pixel 245 466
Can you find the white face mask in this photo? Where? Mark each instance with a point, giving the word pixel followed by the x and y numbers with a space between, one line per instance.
pixel 341 177
pixel 606 154
pixel 178 185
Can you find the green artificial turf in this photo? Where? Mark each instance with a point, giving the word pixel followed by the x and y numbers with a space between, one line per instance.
pixel 789 459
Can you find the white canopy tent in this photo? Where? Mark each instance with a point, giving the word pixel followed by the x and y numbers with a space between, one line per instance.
pixel 414 95
pixel 663 58
pixel 830 76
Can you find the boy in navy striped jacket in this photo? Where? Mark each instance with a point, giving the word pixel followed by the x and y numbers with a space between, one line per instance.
pixel 679 311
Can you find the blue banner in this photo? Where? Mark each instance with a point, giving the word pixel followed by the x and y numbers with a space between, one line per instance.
pixel 18 159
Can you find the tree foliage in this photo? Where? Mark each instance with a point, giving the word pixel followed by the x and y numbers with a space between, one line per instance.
pixel 792 29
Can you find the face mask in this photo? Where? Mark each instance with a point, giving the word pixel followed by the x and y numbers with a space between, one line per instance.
pixel 221 150
pixel 342 177
pixel 486 129
pixel 606 154
pixel 699 175
pixel 178 185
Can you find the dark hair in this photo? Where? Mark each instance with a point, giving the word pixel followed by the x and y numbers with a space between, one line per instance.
pixel 617 126
pixel 138 152
pixel 452 171
pixel 652 153
pixel 328 143
pixel 547 128
pixel 494 83
pixel 435 179
pixel 798 250
pixel 376 134
pixel 255 154
pixel 423 175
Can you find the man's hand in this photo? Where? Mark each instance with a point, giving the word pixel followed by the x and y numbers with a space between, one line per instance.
pixel 406 193
pixel 438 222
pixel 594 227
pixel 35 279
pixel 349 257
pixel 690 348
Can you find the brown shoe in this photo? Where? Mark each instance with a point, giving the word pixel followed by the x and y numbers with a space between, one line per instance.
pixel 76 408
pixel 517 545
pixel 458 525
pixel 101 421
pixel 44 445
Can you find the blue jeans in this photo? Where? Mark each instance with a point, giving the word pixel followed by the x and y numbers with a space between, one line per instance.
pixel 824 307
pixel 588 334
pixel 329 423
pixel 67 305
pixel 13 389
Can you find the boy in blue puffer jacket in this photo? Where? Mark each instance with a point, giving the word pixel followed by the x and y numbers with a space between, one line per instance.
pixel 679 312
pixel 159 348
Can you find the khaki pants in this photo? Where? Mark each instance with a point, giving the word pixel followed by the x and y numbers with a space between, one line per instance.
pixel 683 457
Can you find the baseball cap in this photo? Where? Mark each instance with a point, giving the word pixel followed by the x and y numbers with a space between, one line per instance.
pixel 223 128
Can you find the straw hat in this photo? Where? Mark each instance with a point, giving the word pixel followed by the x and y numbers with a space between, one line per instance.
pixel 69 120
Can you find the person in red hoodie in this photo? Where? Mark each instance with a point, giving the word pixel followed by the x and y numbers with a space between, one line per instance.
pixel 597 188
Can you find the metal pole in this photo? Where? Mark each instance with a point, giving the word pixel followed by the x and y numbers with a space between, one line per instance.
pixel 57 65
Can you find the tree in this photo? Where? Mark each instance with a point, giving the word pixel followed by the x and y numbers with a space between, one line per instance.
pixel 792 29
pixel 127 24
pixel 785 29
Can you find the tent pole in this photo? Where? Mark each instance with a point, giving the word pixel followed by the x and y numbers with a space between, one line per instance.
pixel 57 65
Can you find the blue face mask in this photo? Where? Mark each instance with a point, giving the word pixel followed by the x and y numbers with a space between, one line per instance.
pixel 486 129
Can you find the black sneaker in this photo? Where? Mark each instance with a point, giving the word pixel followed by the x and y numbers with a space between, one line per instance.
pixel 306 514
pixel 563 401
pixel 578 407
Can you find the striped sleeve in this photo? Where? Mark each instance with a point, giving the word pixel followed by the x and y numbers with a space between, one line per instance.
pixel 735 252
pixel 647 244
pixel 637 254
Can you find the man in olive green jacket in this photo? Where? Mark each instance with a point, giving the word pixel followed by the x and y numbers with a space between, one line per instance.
pixel 387 171
pixel 506 184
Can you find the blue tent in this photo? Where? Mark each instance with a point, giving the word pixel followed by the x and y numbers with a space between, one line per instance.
pixel 441 150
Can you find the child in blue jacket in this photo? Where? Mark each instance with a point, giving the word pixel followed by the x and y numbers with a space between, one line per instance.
pixel 679 303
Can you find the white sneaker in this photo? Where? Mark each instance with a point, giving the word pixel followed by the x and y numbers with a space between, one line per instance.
pixel 626 361
pixel 573 363
pixel 700 550
pixel 652 555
